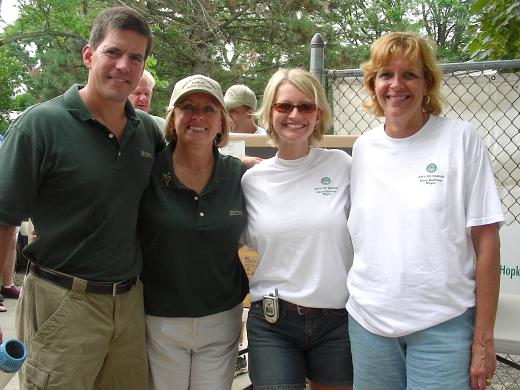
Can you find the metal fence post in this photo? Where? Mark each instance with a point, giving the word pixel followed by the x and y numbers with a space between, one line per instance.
pixel 317 57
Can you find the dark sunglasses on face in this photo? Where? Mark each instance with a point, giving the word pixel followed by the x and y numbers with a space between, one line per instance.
pixel 286 108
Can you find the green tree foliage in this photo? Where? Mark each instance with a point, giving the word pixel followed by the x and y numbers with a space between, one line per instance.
pixel 498 34
pixel 446 22
pixel 10 81
pixel 233 41
pixel 46 40
pixel 350 26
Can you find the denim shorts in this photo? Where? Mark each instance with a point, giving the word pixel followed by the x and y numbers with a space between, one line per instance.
pixel 436 358
pixel 313 346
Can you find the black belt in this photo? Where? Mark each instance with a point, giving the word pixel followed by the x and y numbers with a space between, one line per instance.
pixel 66 281
pixel 289 306
pixel 301 310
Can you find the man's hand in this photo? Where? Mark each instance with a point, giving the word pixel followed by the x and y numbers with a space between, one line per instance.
pixel 250 161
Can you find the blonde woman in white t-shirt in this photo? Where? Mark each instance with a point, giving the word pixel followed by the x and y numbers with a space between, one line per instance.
pixel 298 203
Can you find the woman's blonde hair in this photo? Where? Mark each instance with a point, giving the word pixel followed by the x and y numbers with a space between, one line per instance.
pixel 222 137
pixel 309 85
pixel 410 47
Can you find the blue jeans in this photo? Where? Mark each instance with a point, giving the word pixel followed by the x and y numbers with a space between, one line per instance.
pixel 313 345
pixel 436 358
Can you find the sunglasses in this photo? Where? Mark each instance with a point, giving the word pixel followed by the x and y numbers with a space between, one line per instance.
pixel 286 108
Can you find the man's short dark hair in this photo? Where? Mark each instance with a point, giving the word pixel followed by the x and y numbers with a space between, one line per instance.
pixel 120 18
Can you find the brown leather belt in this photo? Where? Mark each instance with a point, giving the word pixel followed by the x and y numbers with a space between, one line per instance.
pixel 301 310
pixel 66 281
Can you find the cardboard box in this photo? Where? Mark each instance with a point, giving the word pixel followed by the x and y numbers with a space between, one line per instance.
pixel 249 259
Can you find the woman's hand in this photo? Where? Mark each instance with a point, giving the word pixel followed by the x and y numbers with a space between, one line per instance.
pixel 483 363
pixel 486 242
pixel 250 161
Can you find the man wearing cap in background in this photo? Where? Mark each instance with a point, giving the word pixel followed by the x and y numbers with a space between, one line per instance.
pixel 241 105
pixel 141 97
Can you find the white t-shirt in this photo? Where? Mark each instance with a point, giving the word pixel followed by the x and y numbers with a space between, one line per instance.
pixel 414 201
pixel 297 222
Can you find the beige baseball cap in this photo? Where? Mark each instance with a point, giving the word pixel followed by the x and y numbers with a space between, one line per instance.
pixel 240 95
pixel 196 83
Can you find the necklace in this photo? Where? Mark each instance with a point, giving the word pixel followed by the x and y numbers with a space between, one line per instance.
pixel 191 173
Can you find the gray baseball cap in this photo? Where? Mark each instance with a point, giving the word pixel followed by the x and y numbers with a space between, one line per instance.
pixel 196 83
pixel 240 95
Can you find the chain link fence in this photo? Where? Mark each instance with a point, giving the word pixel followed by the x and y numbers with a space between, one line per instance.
pixel 486 94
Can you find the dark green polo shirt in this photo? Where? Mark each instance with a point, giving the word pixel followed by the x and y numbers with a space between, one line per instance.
pixel 79 184
pixel 190 241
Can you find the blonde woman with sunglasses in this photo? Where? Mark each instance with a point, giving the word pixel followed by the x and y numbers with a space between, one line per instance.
pixel 298 203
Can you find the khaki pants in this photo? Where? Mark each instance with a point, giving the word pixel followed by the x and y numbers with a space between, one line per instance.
pixel 79 341
pixel 193 353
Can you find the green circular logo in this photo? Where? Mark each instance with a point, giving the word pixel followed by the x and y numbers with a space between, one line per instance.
pixel 325 181
pixel 431 167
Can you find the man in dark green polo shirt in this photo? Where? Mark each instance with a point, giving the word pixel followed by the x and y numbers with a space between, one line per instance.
pixel 77 165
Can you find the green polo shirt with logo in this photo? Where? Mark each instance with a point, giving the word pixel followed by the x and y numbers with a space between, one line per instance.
pixel 79 184
pixel 190 241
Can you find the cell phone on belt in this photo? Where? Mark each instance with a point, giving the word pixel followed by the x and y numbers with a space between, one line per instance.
pixel 271 308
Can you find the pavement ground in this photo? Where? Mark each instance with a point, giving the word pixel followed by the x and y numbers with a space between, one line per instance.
pixel 8 331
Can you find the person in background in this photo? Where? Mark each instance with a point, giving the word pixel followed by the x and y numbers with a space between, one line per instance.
pixel 141 97
pixel 424 224
pixel 9 290
pixel 190 221
pixel 298 203
pixel 78 165
pixel 241 106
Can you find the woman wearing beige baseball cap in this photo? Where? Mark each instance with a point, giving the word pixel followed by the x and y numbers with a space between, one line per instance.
pixel 191 218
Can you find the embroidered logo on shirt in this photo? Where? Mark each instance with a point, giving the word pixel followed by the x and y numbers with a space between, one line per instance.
pixel 145 154
pixel 167 178
pixel 235 212
pixel 431 178
pixel 431 167
pixel 326 189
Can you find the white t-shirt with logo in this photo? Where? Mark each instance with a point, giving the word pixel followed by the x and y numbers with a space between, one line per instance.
pixel 297 222
pixel 414 201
